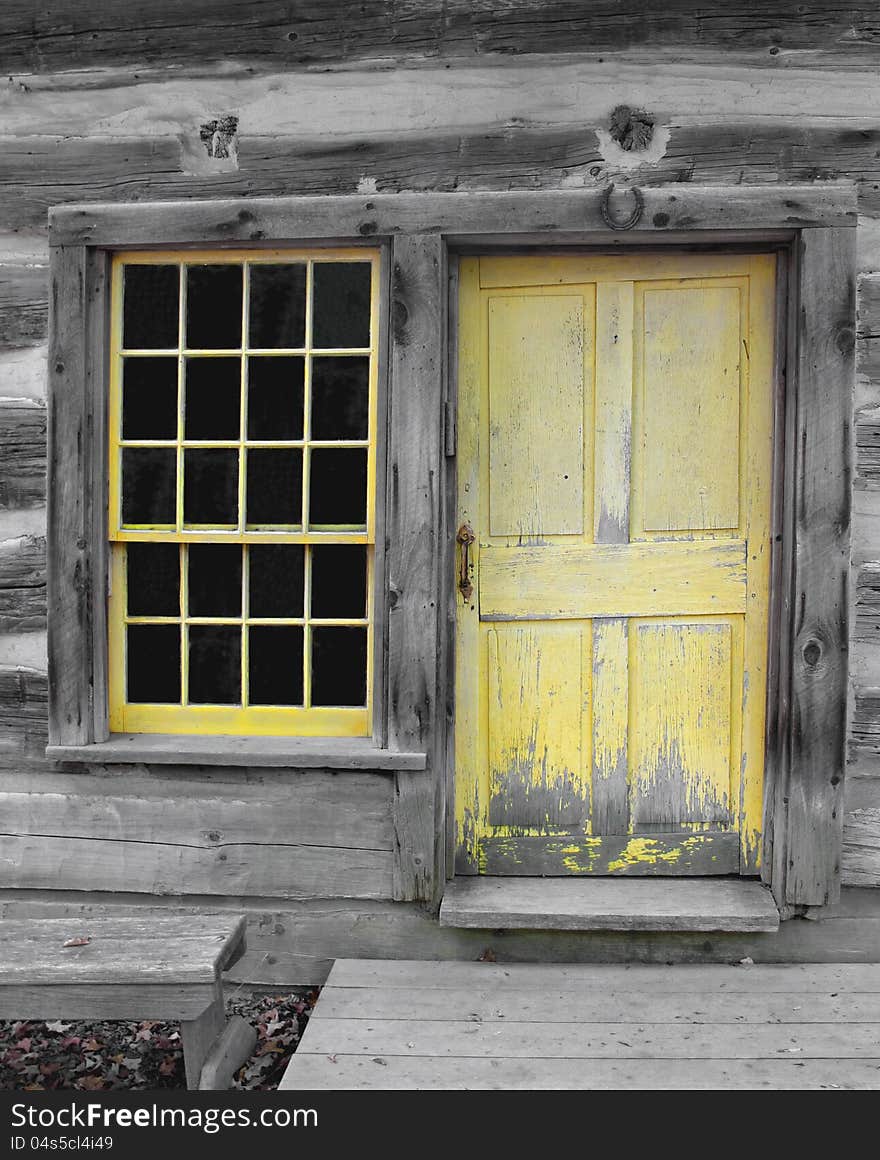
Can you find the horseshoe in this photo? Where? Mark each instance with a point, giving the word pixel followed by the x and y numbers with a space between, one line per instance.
pixel 627 223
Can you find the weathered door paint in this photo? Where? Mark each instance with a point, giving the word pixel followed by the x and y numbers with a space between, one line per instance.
pixel 614 462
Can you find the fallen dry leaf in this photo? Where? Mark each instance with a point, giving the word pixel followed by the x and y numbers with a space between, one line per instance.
pixel 77 942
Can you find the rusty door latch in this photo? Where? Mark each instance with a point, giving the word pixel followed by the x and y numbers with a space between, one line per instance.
pixel 465 537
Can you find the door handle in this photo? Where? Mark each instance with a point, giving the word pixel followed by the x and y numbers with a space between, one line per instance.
pixel 465 537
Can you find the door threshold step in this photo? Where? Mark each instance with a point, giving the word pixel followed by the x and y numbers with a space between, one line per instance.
pixel 635 904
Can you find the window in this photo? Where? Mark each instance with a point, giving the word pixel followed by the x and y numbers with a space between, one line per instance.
pixel 242 467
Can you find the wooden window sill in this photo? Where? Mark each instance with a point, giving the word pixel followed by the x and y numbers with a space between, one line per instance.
pixel 287 752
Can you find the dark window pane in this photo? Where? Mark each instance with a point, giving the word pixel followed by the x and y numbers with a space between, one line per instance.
pixel 339 666
pixel 212 408
pixel 275 665
pixel 150 307
pixel 153 663
pixel 210 486
pixel 276 579
pixel 214 579
pixel 338 492
pixel 149 477
pixel 277 306
pixel 153 579
pixel 149 398
pixel 340 393
pixel 275 397
pixel 274 487
pixel 339 580
pixel 215 664
pixel 213 307
pixel 341 304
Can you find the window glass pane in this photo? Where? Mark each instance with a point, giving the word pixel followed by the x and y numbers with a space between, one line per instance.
pixel 277 305
pixel 339 666
pixel 153 663
pixel 148 485
pixel 150 310
pixel 213 307
pixel 212 407
pixel 341 304
pixel 338 493
pixel 275 665
pixel 276 579
pixel 215 664
pixel 339 581
pixel 210 486
pixel 340 393
pixel 274 487
pixel 214 572
pixel 149 398
pixel 275 397
pixel 153 579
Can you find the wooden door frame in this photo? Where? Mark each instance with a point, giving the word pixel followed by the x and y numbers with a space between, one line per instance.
pixel 425 231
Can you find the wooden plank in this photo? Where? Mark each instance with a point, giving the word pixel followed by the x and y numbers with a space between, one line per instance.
pixel 119 950
pixel 199 1037
pixel 541 355
pixel 69 516
pixel 512 1040
pixel 253 868
pixel 860 856
pixel 867 424
pixel 303 809
pixel 607 904
pixel 822 506
pixel 309 1072
pixel 271 752
pixel 652 978
pixel 106 1001
pixel 415 464
pixel 687 852
pixel 24 303
pixel 23 584
pixel 23 717
pixel 95 34
pixel 865 725
pixel 228 1052
pixel 22 453
pixel 489 1005
pixel 867 607
pixel 690 206
pixel 578 582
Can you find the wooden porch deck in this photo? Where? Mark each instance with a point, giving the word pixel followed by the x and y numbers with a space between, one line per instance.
pixel 382 1025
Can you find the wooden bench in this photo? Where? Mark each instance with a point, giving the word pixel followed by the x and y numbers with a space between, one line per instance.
pixel 152 967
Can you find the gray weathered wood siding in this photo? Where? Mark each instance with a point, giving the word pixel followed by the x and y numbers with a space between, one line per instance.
pixel 103 102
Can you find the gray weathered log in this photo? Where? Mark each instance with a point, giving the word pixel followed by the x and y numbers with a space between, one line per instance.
pixel 23 584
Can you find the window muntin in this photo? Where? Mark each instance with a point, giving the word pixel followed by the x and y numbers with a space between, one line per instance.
pixel 242 443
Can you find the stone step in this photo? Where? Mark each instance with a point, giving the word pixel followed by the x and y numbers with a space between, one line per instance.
pixel 637 904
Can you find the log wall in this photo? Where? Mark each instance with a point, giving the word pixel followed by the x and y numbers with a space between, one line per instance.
pixel 102 102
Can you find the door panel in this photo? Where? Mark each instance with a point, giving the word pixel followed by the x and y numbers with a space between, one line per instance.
pixel 615 420
pixel 536 451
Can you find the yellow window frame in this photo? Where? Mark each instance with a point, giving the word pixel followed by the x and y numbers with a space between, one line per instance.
pixel 244 719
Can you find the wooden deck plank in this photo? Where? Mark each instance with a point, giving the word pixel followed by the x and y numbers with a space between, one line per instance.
pixel 493 1004
pixel 811 978
pixel 345 1072
pixel 536 1041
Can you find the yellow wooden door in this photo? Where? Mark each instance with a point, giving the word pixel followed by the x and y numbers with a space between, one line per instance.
pixel 614 463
